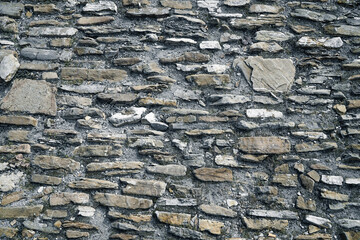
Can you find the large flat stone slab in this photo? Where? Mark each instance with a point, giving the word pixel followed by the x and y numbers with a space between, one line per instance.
pixel 264 145
pixel 31 96
pixel 84 74
pixel 267 74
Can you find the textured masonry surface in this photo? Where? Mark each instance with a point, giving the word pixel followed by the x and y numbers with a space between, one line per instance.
pixel 180 119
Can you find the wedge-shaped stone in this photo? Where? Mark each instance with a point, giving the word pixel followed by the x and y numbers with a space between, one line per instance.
pixel 273 213
pixel 175 219
pixel 267 74
pixel 314 147
pixel 32 96
pixel 90 183
pixel 8 232
pixel 122 201
pixel 85 74
pixel 96 151
pixel 52 31
pixel 318 221
pixel 334 195
pixel 92 167
pixel 217 210
pixel 211 226
pixel 264 145
pixel 214 174
pixel 63 198
pixel 21 148
pixel 20 212
pixel 260 224
pixel 52 162
pixel 18 120
pixel 204 80
pixel 144 187
pixel 171 169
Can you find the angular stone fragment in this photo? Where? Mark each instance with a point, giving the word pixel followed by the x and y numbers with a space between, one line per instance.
pixel 144 187
pixel 18 120
pixel 273 213
pixel 217 210
pixel 267 75
pixel 12 197
pixel 56 213
pixel 84 74
pixel 52 162
pixel 204 80
pixel 21 148
pixel 334 195
pixel 20 212
pixel 100 8
pixel 286 180
pixel 315 16
pixel 185 233
pixel 91 167
pixel 97 151
pixel 8 232
pixel 264 145
pixel 132 115
pixel 211 226
pixel 32 96
pixel 171 169
pixel 318 221
pixel 214 174
pixel 307 182
pixel 8 181
pixel 8 25
pixel 314 147
pixel 52 31
pixel 11 9
pixel 41 227
pixel 90 183
pixel 175 219
pixel 306 205
pixel 332 180
pixel 260 224
pixel 43 179
pixel 63 198
pixel 8 67
pixel 266 47
pixel 121 201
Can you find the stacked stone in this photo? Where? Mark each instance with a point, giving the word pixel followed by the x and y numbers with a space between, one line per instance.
pixel 179 119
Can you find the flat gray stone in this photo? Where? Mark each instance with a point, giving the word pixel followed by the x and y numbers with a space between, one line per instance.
pixel 31 96
pixel 52 31
pixel 315 16
pixel 8 25
pixel 11 9
pixel 8 67
pixel 101 8
pixel 39 54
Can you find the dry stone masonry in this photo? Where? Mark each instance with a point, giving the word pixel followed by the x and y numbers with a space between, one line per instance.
pixel 180 119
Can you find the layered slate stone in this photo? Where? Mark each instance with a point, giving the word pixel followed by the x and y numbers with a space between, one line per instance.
pixel 20 212
pixel 18 120
pixel 92 167
pixel 63 198
pixel 260 224
pixel 174 219
pixel 8 25
pixel 267 74
pixel 31 96
pixel 11 9
pixel 97 151
pixel 90 183
pixel 84 74
pixel 214 174
pixel 264 145
pixel 217 210
pixel 144 187
pixel 122 201
pixel 52 31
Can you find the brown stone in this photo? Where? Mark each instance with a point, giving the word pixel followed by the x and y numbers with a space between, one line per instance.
pixel 43 179
pixel 353 104
pixel 126 61
pixel 8 232
pixel 149 101
pixel 351 235
pixel 91 183
pixel 144 187
pixel 214 174
pixel 175 219
pixel 264 145
pixel 307 182
pixel 286 180
pixel 97 151
pixel 18 136
pixel 322 236
pixel 176 4
pixel 21 148
pixel 334 195
pixel 306 205
pixel 56 213
pixel 52 162
pixel 314 147
pixel 20 212
pixel 211 226
pixel 84 74
pixel 32 96
pixel 18 120
pixel 12 197
pixel 94 20
pixel 80 225
pixel 217 210
pixel 260 224
pixel 122 201
pixel 92 167
pixel 76 234
pixel 204 80
pixel 63 198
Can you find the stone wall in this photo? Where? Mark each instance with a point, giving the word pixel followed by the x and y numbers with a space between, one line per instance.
pixel 180 119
